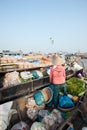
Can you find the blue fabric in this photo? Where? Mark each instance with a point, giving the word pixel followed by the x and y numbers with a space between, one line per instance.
pixel 65 102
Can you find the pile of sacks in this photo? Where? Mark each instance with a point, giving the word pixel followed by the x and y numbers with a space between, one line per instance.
pixel 49 122
pixel 33 108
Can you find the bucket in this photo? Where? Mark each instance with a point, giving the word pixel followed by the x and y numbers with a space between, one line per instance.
pixel 43 96
pixel 48 94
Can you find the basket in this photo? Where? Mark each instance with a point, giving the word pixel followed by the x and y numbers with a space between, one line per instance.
pixel 66 109
pixel 43 96
pixel 48 93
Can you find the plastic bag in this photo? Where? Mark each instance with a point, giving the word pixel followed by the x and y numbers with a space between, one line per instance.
pixel 32 113
pixel 84 128
pixel 6 114
pixel 25 76
pixel 42 114
pixel 11 79
pixel 39 73
pixel 20 126
pixel 49 122
pixel 32 104
pixel 66 102
pixel 37 126
pixel 35 75
pixel 53 120
pixel 57 115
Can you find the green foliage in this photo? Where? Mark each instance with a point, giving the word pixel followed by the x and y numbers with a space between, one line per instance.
pixel 75 86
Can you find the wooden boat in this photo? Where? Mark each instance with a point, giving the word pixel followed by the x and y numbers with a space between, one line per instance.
pixel 78 119
pixel 20 92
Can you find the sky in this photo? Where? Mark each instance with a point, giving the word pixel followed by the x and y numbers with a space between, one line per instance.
pixel 43 25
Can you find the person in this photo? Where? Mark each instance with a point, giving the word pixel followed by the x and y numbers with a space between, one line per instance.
pixel 57 77
pixel 78 69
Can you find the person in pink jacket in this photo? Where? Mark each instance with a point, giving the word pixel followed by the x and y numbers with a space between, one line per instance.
pixel 58 77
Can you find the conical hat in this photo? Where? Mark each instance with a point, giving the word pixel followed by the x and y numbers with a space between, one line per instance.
pixel 56 60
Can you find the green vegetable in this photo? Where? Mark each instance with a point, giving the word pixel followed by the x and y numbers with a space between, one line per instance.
pixel 80 94
pixel 75 86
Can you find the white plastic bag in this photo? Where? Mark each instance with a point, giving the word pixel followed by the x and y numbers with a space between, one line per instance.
pixel 32 113
pixel 57 116
pixel 84 128
pixel 37 126
pixel 43 113
pixel 20 126
pixel 5 114
pixel 53 120
pixel 40 74
pixel 48 122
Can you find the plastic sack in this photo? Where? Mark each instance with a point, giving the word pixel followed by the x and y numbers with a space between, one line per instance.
pixel 5 114
pixel 32 113
pixel 35 75
pixel 84 128
pixel 32 104
pixel 66 102
pixel 37 126
pixel 40 74
pixel 42 114
pixel 53 120
pixel 50 122
pixel 20 126
pixel 11 79
pixel 25 76
pixel 57 116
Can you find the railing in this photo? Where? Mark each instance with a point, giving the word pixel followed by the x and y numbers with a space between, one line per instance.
pixel 14 92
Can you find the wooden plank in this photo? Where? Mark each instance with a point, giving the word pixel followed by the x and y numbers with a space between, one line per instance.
pixel 11 93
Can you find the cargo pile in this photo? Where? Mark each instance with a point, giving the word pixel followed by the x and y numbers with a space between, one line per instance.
pixel 9 63
pixel 38 107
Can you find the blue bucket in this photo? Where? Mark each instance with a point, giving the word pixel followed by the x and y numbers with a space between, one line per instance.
pixel 43 96
pixel 39 98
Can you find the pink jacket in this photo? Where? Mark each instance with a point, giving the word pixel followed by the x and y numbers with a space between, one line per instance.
pixel 57 75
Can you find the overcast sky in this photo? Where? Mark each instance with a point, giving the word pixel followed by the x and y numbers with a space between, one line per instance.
pixel 43 25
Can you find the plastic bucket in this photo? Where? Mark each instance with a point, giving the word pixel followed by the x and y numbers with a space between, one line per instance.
pixel 48 94
pixel 39 98
pixel 51 102
pixel 43 96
